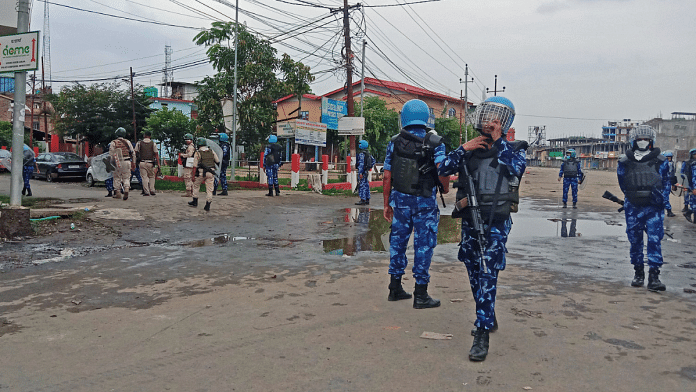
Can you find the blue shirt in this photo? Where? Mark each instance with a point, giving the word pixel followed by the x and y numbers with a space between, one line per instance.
pixel 397 198
pixel 516 161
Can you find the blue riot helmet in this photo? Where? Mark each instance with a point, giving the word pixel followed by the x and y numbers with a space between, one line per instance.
pixel 641 133
pixel 571 153
pixel 668 154
pixel 223 137
pixel 495 108
pixel 273 139
pixel 363 145
pixel 692 152
pixel 415 112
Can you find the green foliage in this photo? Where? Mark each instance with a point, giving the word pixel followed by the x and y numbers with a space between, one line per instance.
pixel 257 83
pixel 94 112
pixel 381 124
pixel 5 133
pixel 169 127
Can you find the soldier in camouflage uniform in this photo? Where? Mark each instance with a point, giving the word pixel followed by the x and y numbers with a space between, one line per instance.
pixel 643 175
pixel 124 155
pixel 496 167
pixel 410 202
pixel 363 165
pixel 570 173
pixel 188 169
pixel 272 161
pixel 204 161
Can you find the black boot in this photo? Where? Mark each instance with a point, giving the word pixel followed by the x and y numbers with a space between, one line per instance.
pixel 28 192
pixel 639 277
pixel 421 299
pixel 214 191
pixel 685 208
pixel 396 291
pixel 224 192
pixel 110 194
pixel 654 283
pixel 24 191
pixel 277 189
pixel 575 206
pixel 479 350
pixel 270 190
pixel 565 205
pixel 495 327
pixel 671 214
pixel 207 206
pixel 360 203
pixel 687 215
pixel 194 203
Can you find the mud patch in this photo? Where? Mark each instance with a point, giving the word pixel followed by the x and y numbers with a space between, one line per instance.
pixel 624 344
pixel 689 373
pixel 8 326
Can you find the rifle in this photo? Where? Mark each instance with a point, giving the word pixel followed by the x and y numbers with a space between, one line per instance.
pixel 476 219
pixel 430 142
pixel 610 196
pixel 205 169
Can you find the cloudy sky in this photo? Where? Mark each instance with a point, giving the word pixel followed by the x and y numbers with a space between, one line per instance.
pixel 571 65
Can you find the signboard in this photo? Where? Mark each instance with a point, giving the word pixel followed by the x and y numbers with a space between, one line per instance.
pixel 331 111
pixel 310 132
pixel 285 129
pixel 19 52
pixel 348 126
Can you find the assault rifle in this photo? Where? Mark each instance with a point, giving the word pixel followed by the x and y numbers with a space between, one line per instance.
pixel 430 142
pixel 205 169
pixel 610 196
pixel 476 219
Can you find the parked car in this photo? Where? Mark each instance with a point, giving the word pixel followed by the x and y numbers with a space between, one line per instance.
pixel 100 168
pixel 55 165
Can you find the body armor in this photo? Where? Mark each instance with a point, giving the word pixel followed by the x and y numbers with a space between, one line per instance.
pixel 688 171
pixel 207 159
pixel 122 145
pixel 407 161
pixel 225 151
pixel 570 169
pixel 274 157
pixel 367 159
pixel 489 175
pixel 146 150
pixel 642 178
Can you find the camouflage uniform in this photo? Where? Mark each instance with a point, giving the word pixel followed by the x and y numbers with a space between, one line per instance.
pixel 363 183
pixel 484 284
pixel 570 182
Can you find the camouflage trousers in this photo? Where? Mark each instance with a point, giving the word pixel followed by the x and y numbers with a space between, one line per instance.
pixel 570 183
pixel 364 187
pixel 422 221
pixel 649 220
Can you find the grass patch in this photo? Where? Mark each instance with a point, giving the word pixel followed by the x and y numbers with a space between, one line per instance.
pixel 32 202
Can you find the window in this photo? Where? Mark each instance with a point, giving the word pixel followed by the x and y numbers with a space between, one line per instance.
pixel 432 111
pixel 36 126
pixel 452 113
pixel 304 115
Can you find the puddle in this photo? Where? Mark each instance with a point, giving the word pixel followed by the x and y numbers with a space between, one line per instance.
pixel 525 226
pixel 219 240
pixel 369 231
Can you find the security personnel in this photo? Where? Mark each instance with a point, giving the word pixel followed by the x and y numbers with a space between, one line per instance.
pixel 226 149
pixel 149 161
pixel 410 204
pixel 187 162
pixel 672 179
pixel 204 161
pixel 496 167
pixel 272 159
pixel 28 165
pixel 687 174
pixel 124 155
pixel 570 172
pixel 109 182
pixel 644 179
pixel 363 165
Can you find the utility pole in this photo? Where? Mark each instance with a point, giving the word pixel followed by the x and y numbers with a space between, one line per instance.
pixel 465 110
pixel 135 132
pixel 20 97
pixel 31 119
pixel 495 88
pixel 234 98
pixel 349 72
pixel 47 136
pixel 362 81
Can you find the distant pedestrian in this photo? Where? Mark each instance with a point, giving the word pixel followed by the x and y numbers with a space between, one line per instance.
pixel 272 160
pixel 122 151
pixel 571 173
pixel 28 166
pixel 204 162
pixel 363 165
pixel 149 162
pixel 643 175
pixel 688 173
pixel 672 180
pixel 225 146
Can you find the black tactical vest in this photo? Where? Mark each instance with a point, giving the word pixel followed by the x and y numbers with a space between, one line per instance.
pixel 367 159
pixel 689 171
pixel 570 168
pixel 207 158
pixel 274 157
pixel 642 178
pixel 406 164
pixel 146 150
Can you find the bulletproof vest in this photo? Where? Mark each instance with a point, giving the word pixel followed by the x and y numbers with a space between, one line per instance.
pixel 570 168
pixel 146 150
pixel 367 159
pixel 274 157
pixel 690 171
pixel 488 175
pixel 123 146
pixel 225 151
pixel 407 163
pixel 642 178
pixel 207 158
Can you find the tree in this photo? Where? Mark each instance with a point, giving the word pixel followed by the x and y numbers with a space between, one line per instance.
pixel 169 127
pixel 6 134
pixel 257 82
pixel 381 124
pixel 95 112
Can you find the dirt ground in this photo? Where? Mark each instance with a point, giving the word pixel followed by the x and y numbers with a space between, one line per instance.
pixel 153 295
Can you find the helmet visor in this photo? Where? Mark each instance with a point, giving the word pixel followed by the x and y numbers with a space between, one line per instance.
pixel 491 111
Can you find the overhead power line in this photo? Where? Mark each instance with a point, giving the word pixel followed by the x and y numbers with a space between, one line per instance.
pixel 399 5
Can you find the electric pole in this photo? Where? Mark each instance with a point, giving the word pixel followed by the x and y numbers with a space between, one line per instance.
pixel 495 88
pixel 465 110
pixel 349 72
pixel 135 132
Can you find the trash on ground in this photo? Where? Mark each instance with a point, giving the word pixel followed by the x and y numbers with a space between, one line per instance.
pixel 436 336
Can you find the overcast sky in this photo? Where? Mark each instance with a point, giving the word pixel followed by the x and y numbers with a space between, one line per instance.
pixel 571 65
